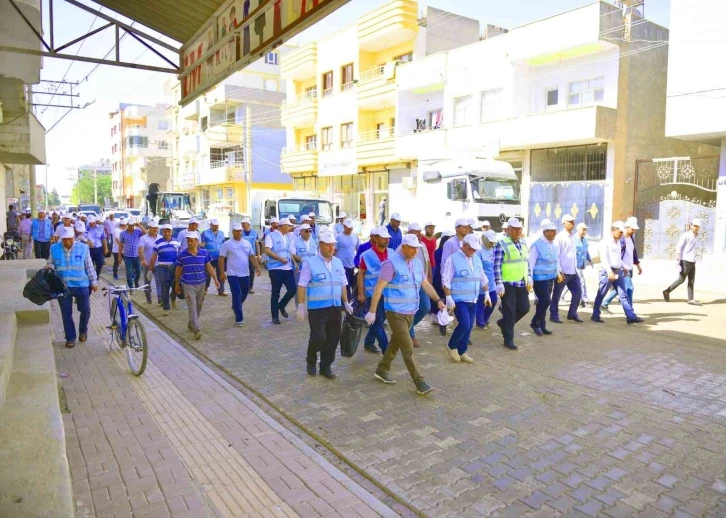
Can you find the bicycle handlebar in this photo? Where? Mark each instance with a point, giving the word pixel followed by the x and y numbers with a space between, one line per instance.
pixel 123 289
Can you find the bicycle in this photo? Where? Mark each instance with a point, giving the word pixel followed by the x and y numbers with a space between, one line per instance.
pixel 127 331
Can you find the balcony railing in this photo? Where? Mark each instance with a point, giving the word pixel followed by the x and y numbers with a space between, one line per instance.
pixel 300 148
pixel 377 134
pixel 217 164
pixel 372 74
pixel 312 95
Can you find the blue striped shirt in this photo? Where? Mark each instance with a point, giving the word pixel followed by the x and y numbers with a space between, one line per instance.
pixel 166 251
pixel 130 241
pixel 194 267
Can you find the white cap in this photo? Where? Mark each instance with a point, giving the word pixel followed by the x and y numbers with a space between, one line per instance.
pixel 193 220
pixel 304 226
pixel 490 235
pixel 193 235
pixel 486 223
pixel 131 221
pixel 66 215
pixel 122 221
pixel 80 226
pixel 545 222
pixel 396 216
pixel 382 231
pixel 548 225
pixel 472 241
pixel 214 222
pixel 67 233
pixel 568 217
pixel 429 224
pixel 237 226
pixel 274 220
pixel 246 220
pixel 447 233
pixel 285 221
pixel 411 240
pixel 414 226
pixel 348 223
pixel 618 225
pixel 470 222
pixel 581 225
pixel 167 227
pixel 306 218
pixel 153 224
pixel 632 222
pixel 82 215
pixel 91 219
pixel 696 221
pixel 374 231
pixel 514 223
pixel 342 215
pixel 505 225
pixel 461 222
pixel 292 217
pixel 327 237
pixel 311 214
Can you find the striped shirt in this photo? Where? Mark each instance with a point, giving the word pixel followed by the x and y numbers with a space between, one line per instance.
pixel 130 242
pixel 194 267
pixel 95 236
pixel 166 251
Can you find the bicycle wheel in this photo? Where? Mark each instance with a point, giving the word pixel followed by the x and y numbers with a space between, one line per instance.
pixel 115 323
pixel 137 351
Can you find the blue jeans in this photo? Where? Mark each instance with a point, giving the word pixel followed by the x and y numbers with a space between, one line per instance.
pixel 133 271
pixel 543 292
pixel 629 289
pixel 164 280
pixel 424 306
pixel 239 287
pixel 215 265
pixel 83 304
pixel 377 331
pixel 602 291
pixel 278 278
pixel 572 281
pixel 465 315
pixel 484 312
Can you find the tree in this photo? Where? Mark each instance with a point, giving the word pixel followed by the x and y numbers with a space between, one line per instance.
pixel 83 191
pixel 53 199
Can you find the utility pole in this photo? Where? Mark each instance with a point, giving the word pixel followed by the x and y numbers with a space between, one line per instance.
pixel 46 187
pixel 95 185
pixel 33 201
pixel 248 159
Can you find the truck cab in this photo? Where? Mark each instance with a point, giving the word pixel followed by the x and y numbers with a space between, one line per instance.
pixel 296 206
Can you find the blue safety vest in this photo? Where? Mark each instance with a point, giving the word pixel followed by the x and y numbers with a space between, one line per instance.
pixel 302 250
pixel 401 294
pixel 279 246
pixel 251 239
pixel 73 270
pixel 213 242
pixel 545 269
pixel 486 256
pixel 466 282
pixel 35 229
pixel 326 287
pixel 373 268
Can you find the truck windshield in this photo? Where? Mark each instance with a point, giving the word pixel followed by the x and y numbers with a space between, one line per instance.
pixel 178 202
pixel 494 191
pixel 298 208
pixel 90 208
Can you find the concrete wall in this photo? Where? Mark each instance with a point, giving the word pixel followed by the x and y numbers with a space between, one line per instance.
pixel 445 31
pixel 15 33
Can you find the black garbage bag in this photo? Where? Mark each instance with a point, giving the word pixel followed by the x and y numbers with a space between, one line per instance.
pixel 45 285
pixel 352 331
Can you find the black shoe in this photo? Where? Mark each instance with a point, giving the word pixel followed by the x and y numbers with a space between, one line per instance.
pixel 283 312
pixel 372 349
pixel 442 330
pixel 556 320
pixel 327 373
pixel 312 369
pixel 500 323
pixel 605 309
pixel 546 331
pixel 423 388
pixel 576 319
pixel 537 330
pixel 666 296
pixel 469 343
pixel 276 321
pixel 636 320
pixel 510 345
pixel 597 319
pixel 583 304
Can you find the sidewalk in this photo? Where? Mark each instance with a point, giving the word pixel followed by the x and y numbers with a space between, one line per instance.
pixel 180 441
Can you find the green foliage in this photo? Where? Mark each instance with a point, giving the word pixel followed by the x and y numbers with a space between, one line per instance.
pixel 53 199
pixel 83 190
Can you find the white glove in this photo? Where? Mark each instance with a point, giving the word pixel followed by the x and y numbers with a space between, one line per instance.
pixel 301 313
pixel 487 300
pixel 370 318
pixel 500 289
pixel 348 308
pixel 450 304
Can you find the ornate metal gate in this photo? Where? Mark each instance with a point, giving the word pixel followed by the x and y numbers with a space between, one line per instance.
pixel 584 200
pixel 669 194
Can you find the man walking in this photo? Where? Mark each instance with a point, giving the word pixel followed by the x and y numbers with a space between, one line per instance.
pixel 582 251
pixel 97 242
pixel 128 252
pixel 42 232
pixel 346 245
pixel 192 226
pixel 463 278
pixel 162 263
pixel 368 270
pixel 567 250
pixel 235 257
pixel 513 278
pixel 486 256
pixel 280 268
pixel 192 267
pixel 424 302
pixel 687 247
pixel 250 235
pixel 382 211
pixel 338 227
pixel 544 263
pixel 630 261
pixel 612 275
pixel 303 246
pixel 321 289
pixel 454 244
pixel 116 236
pixel 109 226
pixel 72 260
pixel 399 282
pixel 212 241
pixel 394 229
pixel 13 219
pixel 26 235
pixel 146 252
pixel 429 240
pixel 67 223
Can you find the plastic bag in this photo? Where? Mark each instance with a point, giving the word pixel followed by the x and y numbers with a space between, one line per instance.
pixel 45 285
pixel 352 331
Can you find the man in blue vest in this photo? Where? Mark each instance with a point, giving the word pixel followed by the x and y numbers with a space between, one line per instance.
pixel 399 282
pixel 72 260
pixel 280 268
pixel 544 261
pixel 394 228
pixel 303 246
pixel 212 241
pixel 42 232
pixel 249 234
pixel 321 293
pixel 462 278
pixel 368 269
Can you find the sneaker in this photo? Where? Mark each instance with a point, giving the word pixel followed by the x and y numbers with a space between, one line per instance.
pixel 239 324
pixel 694 303
pixel 384 377
pixel 454 354
pixel 666 296
pixel 166 313
pixel 197 334
pixel 605 309
pixel 423 388
pixel 465 358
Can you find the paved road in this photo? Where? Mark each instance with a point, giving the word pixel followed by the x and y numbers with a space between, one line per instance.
pixel 598 420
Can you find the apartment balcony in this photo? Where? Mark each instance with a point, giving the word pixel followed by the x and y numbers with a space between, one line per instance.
pixel 376 147
pixel 224 133
pixel 301 63
pixel 301 111
pixel 422 145
pixel 190 111
pixel 22 141
pixel 376 88
pixel 299 159
pixel 393 24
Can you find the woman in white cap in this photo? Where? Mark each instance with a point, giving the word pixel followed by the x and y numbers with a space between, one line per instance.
pixel 686 259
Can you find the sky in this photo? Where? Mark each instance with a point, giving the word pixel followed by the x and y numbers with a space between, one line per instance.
pixel 82 136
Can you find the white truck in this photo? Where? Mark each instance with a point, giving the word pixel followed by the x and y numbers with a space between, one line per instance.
pixel 283 206
pixel 478 188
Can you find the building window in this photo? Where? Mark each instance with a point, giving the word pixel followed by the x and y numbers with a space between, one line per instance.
pixel 137 141
pixel 492 105
pixel 463 110
pixel 381 130
pixel 162 125
pixel 271 58
pixel 271 85
pixel 326 135
pixel 311 142
pixel 587 92
pixel 328 84
pixel 346 135
pixel 204 122
pixel 163 144
pixel 346 77
pixel 435 119
pixel 569 164
pixel 404 58
pixel 552 98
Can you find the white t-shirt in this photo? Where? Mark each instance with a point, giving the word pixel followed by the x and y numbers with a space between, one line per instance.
pixel 147 243
pixel 116 234
pixel 59 229
pixel 237 257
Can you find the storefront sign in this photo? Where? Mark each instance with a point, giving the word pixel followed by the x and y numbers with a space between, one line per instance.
pixel 337 163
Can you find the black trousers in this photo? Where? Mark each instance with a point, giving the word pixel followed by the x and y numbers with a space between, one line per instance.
pixel 42 250
pixel 325 326
pixel 115 265
pixel 350 276
pixel 688 270
pixel 97 258
pixel 515 305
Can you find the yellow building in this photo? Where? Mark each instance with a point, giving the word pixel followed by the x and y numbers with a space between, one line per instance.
pixel 339 113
